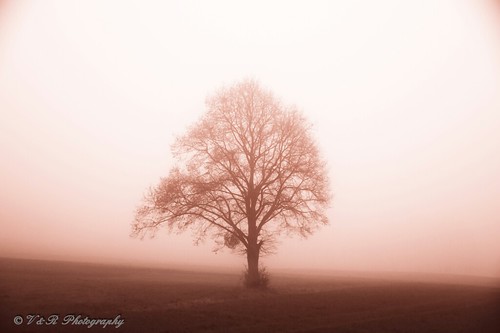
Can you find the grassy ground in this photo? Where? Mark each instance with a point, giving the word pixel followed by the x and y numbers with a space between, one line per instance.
pixel 161 300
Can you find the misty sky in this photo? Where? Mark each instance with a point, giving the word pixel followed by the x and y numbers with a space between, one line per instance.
pixel 404 97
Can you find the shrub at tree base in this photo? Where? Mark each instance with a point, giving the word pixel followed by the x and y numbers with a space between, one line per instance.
pixel 261 282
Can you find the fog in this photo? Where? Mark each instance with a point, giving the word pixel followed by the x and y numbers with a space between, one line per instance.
pixel 403 96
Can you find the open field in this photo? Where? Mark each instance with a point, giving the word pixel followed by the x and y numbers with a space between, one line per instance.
pixel 162 300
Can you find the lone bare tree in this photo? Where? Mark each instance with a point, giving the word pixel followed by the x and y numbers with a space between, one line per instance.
pixel 248 172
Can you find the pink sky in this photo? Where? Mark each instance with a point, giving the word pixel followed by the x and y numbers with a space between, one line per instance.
pixel 404 98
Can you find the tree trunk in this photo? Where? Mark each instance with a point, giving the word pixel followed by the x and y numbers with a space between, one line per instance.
pixel 253 277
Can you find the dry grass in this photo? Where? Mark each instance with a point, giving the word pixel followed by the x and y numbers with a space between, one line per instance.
pixel 160 300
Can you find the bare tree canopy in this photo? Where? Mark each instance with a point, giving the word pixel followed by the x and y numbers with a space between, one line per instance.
pixel 247 172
